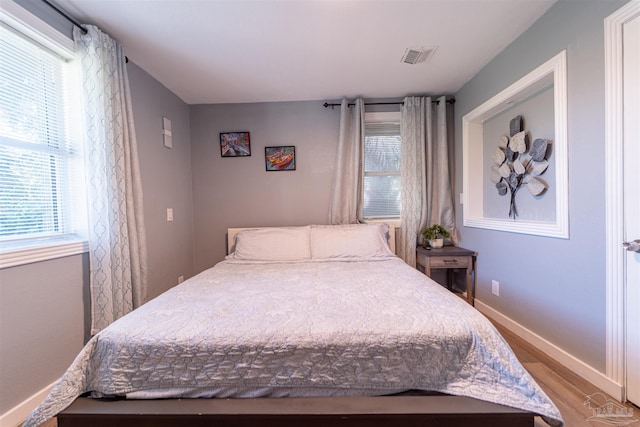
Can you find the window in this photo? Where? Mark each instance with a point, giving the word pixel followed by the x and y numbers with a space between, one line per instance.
pixel 40 160
pixel 381 182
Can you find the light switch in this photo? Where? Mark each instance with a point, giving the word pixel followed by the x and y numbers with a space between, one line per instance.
pixel 169 214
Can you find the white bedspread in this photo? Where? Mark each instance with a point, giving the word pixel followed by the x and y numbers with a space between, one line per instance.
pixel 341 327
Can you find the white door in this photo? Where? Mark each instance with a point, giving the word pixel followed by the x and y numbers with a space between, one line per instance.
pixel 631 85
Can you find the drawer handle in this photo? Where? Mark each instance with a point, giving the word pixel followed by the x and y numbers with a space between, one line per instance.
pixel 450 261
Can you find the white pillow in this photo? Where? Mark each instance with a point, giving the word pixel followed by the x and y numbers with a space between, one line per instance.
pixel 273 244
pixel 356 241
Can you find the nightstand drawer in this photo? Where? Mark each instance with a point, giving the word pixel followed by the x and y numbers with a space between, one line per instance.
pixel 450 262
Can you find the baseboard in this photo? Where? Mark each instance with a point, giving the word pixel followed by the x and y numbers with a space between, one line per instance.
pixel 18 414
pixel 571 362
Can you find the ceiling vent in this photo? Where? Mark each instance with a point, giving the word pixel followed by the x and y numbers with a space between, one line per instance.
pixel 414 55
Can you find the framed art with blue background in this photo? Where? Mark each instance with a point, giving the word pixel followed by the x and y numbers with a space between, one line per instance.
pixel 235 144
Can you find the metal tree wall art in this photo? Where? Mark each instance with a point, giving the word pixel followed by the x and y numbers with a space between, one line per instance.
pixel 517 162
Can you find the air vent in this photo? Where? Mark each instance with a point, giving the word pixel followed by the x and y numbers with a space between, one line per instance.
pixel 416 55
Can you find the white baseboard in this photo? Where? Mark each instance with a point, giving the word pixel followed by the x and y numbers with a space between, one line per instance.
pixel 18 414
pixel 571 362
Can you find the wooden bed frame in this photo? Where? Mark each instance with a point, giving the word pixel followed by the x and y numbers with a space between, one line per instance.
pixel 404 410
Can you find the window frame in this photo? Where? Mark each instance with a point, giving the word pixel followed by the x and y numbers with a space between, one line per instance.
pixel 29 250
pixel 377 117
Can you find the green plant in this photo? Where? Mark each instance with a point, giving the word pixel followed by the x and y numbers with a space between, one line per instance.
pixel 436 231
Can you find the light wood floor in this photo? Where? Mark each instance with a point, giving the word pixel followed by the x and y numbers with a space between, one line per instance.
pixel 567 390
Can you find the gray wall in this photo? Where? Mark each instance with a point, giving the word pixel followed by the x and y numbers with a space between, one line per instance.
pixel 166 180
pixel 43 306
pixel 238 192
pixel 42 324
pixel 554 287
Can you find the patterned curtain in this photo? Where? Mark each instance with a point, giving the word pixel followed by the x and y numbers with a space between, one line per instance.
pixel 427 197
pixel 345 206
pixel 117 243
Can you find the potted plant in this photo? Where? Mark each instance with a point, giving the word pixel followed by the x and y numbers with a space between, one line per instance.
pixel 435 235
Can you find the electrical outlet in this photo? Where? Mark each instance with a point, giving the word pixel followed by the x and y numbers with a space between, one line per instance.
pixel 180 279
pixel 169 214
pixel 495 288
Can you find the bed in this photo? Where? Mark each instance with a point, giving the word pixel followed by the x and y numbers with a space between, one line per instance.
pixel 315 325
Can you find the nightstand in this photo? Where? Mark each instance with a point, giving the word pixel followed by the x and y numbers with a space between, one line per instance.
pixel 449 258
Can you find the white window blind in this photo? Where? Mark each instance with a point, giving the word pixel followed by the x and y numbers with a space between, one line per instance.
pixel 38 158
pixel 381 192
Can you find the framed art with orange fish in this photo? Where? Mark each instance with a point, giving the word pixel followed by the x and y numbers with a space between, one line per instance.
pixel 235 144
pixel 280 158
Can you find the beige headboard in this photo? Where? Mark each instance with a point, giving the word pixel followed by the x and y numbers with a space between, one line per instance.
pixel 231 234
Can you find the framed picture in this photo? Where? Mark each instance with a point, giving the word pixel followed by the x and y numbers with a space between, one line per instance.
pixel 280 158
pixel 235 144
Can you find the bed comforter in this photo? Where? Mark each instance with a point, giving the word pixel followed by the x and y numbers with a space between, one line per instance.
pixel 245 329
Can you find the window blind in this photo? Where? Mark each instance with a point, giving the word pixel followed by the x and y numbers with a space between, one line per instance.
pixel 37 156
pixel 381 184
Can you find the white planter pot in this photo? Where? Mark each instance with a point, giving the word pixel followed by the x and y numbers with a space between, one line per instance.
pixel 436 243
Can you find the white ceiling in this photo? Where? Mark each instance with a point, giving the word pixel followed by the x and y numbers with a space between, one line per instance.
pixel 214 51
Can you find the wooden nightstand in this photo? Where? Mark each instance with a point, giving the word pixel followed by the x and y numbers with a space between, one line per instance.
pixel 449 258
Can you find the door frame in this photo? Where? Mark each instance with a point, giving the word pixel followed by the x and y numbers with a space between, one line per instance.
pixel 614 197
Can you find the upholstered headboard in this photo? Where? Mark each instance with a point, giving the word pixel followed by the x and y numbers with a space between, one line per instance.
pixel 231 234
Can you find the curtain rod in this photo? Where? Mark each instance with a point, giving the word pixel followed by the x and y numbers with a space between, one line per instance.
pixel 73 21
pixel 66 16
pixel 327 105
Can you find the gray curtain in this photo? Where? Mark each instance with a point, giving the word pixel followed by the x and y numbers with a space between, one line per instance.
pixel 427 197
pixel 117 244
pixel 344 207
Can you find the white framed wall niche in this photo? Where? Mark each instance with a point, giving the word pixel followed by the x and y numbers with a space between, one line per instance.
pixel 540 98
